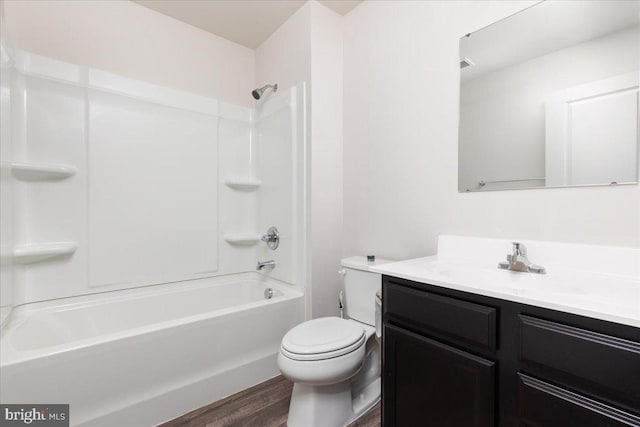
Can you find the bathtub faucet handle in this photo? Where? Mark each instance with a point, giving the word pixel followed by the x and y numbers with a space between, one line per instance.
pixel 272 238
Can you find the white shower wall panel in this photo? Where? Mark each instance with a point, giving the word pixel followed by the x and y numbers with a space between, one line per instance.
pixel 153 201
pixel 51 130
pixel 6 189
pixel 281 152
pixel 237 208
pixel 147 203
pixel 148 200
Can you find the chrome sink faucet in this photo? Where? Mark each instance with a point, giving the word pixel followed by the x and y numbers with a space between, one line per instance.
pixel 266 265
pixel 518 261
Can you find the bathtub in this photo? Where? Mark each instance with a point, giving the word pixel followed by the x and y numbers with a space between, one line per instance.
pixel 143 356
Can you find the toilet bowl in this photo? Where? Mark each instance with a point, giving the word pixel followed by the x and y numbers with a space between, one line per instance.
pixel 335 362
pixel 334 345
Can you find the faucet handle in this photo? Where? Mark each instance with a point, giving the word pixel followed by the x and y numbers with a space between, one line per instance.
pixel 272 238
pixel 519 249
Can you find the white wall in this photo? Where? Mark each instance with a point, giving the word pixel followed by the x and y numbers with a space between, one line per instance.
pixel 308 47
pixel 285 57
pixel 326 158
pixel 506 107
pixel 401 86
pixel 131 40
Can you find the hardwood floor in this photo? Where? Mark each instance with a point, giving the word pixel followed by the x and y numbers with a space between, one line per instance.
pixel 264 405
pixel 371 418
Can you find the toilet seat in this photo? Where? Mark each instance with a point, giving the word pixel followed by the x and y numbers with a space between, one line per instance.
pixel 323 338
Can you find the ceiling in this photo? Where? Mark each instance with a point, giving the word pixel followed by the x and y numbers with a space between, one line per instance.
pixel 247 22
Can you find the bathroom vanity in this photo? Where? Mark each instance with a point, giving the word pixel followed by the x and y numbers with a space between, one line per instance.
pixel 472 347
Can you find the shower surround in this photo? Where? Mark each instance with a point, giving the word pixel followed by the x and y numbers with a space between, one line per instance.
pixel 113 187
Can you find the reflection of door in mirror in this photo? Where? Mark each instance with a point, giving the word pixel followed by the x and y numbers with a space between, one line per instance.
pixel 592 133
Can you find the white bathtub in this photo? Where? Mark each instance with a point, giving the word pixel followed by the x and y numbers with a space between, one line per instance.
pixel 140 357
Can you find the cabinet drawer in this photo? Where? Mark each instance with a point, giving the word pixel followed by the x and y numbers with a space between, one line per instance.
pixel 542 404
pixel 607 366
pixel 441 316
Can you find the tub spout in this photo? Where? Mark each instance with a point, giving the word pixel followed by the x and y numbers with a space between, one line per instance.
pixel 266 265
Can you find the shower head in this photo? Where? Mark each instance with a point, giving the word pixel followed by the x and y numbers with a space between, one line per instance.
pixel 257 93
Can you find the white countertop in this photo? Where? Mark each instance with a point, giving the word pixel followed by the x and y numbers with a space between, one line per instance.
pixel 608 295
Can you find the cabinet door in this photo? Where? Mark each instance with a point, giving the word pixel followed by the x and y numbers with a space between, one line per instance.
pixel 427 383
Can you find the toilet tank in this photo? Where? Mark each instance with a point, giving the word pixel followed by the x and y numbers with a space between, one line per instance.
pixel 360 286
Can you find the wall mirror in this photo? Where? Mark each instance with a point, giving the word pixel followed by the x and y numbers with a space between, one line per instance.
pixel 549 98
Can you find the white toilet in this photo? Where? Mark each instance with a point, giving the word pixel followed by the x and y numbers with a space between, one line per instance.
pixel 334 362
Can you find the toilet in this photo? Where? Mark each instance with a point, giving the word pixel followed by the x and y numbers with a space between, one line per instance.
pixel 335 362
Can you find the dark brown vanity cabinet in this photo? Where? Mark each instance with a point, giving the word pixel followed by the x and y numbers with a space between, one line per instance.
pixel 453 359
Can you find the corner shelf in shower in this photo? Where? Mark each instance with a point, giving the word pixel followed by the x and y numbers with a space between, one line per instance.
pixel 39 171
pixel 242 238
pixel 243 184
pixel 36 252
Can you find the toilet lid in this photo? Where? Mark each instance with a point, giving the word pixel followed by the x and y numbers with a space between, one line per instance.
pixel 322 339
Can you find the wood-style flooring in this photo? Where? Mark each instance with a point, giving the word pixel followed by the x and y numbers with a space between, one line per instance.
pixel 264 405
